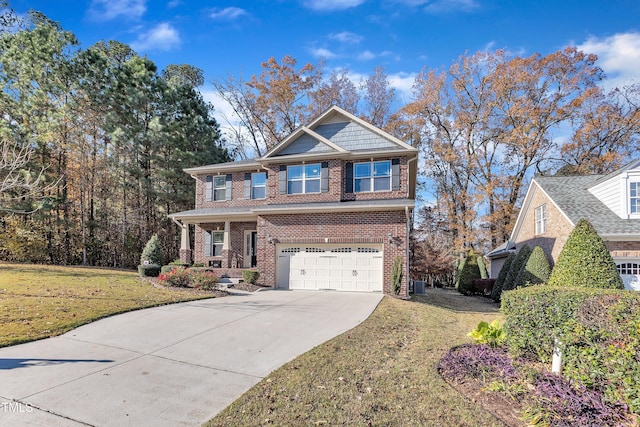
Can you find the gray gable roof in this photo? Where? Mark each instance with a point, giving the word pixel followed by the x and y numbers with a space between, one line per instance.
pixel 348 135
pixel 571 194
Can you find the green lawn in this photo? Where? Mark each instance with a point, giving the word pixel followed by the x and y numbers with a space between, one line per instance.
pixel 381 373
pixel 39 301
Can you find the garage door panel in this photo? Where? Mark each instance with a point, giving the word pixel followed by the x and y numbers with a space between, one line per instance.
pixel 345 268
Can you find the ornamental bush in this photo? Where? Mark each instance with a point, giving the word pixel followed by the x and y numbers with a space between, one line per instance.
pixel 189 278
pixel 535 271
pixel 152 252
pixel 468 272
pixel 482 267
pixel 496 291
pixel 585 261
pixel 598 330
pixel 250 276
pixel 515 267
pixel 149 270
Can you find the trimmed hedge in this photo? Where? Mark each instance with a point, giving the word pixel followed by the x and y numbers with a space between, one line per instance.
pixel 469 271
pixel 149 270
pixel 250 276
pixel 502 275
pixel 599 330
pixel 483 268
pixel 585 261
pixel 535 271
pixel 518 264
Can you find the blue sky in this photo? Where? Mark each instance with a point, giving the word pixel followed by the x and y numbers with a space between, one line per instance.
pixel 403 36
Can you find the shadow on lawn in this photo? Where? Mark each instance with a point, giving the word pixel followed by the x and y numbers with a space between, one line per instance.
pixel 28 363
pixel 451 299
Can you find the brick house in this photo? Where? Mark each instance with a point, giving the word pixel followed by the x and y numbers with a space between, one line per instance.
pixel 554 204
pixel 329 207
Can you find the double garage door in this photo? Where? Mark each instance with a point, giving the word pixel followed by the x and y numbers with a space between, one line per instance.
pixel 356 267
pixel 630 274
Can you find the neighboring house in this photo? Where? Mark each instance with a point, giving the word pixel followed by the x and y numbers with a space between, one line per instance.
pixel 554 204
pixel 327 208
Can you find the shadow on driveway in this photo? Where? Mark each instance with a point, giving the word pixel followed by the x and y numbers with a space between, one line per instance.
pixel 28 363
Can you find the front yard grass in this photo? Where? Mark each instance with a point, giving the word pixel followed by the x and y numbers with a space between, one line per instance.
pixel 382 373
pixel 38 301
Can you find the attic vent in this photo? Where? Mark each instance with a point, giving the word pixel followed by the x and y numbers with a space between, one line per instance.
pixel 368 250
pixel 341 250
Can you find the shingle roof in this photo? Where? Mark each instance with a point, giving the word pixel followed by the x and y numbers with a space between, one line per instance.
pixel 571 194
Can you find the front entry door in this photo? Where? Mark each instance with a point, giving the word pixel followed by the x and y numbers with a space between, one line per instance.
pixel 250 249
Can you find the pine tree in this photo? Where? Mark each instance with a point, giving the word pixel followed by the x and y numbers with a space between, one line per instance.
pixel 152 252
pixel 585 261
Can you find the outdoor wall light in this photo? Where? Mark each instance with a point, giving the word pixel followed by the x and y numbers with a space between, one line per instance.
pixel 269 239
pixel 390 238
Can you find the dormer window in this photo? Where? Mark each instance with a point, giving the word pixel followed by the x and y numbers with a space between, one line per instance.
pixel 634 197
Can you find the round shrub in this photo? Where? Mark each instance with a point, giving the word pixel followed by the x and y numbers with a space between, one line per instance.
pixel 149 270
pixel 585 261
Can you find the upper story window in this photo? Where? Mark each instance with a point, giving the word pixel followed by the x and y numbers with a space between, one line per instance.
pixel 372 176
pixel 634 197
pixel 259 185
pixel 303 179
pixel 541 219
pixel 218 187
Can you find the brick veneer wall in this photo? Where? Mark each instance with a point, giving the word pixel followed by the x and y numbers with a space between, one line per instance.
pixel 337 171
pixel 350 227
pixel 556 234
pixel 236 237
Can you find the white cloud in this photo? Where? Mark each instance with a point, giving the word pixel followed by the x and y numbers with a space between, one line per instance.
pixel 162 37
pixel 618 56
pixel 346 37
pixel 228 13
pixel 442 6
pixel 106 10
pixel 174 3
pixel 403 84
pixel 330 5
pixel 323 53
pixel 367 55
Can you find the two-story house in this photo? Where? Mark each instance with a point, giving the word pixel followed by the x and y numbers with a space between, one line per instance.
pixel 329 207
pixel 554 204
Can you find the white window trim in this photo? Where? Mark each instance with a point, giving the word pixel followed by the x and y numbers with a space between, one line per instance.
pixel 629 198
pixel 214 188
pixel 214 243
pixel 372 177
pixel 540 222
pixel 304 178
pixel 253 186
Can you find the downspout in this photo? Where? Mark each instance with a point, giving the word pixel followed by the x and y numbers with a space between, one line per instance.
pixel 408 226
pixel 406 212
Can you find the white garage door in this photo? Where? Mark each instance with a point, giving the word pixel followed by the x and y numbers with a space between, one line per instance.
pixel 630 274
pixel 337 267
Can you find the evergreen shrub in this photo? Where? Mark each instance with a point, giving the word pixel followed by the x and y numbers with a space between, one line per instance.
pixel 599 332
pixel 515 267
pixel 468 273
pixel 535 271
pixel 496 291
pixel 585 261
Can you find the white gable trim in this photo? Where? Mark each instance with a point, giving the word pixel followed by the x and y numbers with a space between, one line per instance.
pixel 327 116
pixel 526 205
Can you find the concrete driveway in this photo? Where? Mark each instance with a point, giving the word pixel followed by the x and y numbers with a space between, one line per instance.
pixel 173 365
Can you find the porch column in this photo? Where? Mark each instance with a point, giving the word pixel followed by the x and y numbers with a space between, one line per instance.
pixel 225 242
pixel 185 247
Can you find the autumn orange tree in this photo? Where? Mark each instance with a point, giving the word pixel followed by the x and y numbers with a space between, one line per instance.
pixel 486 123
